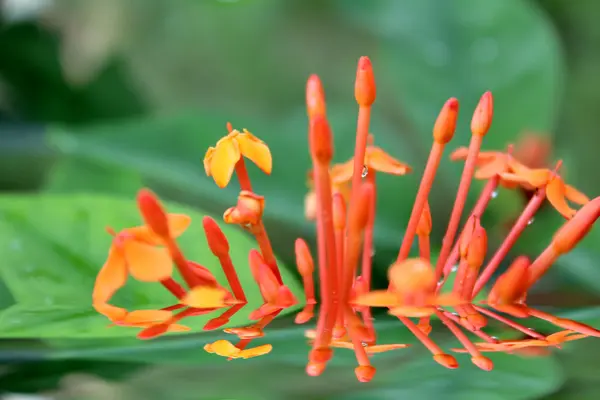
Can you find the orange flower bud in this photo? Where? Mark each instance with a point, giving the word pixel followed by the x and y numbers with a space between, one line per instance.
pixel 339 211
pixel 446 360
pixel 473 243
pixel 365 373
pixel 206 277
pixel 483 362
pixel 248 211
pixel 424 226
pixel 511 285
pixel 445 124
pixel 411 276
pixel 217 241
pixel 482 117
pixel 575 229
pixel 320 140
pixel 153 213
pixel 304 259
pixel 364 88
pixel 315 97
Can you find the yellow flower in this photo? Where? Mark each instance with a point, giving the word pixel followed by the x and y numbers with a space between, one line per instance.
pixel 220 161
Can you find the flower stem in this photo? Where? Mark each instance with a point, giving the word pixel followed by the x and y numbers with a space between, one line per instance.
pixel 172 286
pixel 516 231
pixel 459 203
pixel 512 324
pixel 433 162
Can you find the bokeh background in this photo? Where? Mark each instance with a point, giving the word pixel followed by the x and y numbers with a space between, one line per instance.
pixel 101 97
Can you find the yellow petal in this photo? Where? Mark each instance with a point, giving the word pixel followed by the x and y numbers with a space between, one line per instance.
pixel 111 277
pixel 379 160
pixel 205 297
pixel 208 159
pixel 255 351
pixel 224 158
pixel 256 151
pixel 575 195
pixel 555 192
pixel 111 312
pixel 147 263
pixel 341 173
pixel 222 348
pixel 377 298
pixel 310 206
pixel 142 317
pixel 178 223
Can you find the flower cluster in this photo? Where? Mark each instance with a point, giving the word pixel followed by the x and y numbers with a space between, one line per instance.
pixel 342 201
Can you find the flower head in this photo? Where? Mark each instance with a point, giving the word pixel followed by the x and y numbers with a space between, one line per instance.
pixel 220 161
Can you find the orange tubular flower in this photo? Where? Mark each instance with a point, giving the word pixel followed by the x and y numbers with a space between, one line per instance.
pixel 376 159
pixel 137 251
pixel 343 201
pixel 557 191
pixel 220 161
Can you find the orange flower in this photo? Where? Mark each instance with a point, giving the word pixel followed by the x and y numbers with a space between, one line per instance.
pixel 412 292
pixel 489 164
pixel 139 318
pixel 376 159
pixel 137 251
pixel 220 161
pixel 225 348
pixel 345 343
pixel 557 191
pixel 208 297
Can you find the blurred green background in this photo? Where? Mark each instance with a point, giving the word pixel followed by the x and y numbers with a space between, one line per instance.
pixel 101 97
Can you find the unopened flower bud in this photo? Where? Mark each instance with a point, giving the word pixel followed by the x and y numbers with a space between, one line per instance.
pixel 483 115
pixel 445 124
pixel 248 211
pixel 364 88
pixel 315 97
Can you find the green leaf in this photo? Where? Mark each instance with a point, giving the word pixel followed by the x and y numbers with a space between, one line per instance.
pixel 53 247
pixel 72 175
pixel 410 372
pixel 491 50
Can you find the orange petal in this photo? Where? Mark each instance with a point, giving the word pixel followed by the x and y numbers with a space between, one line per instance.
pixel 256 151
pixel 111 277
pixel 143 317
pixel 377 298
pixel 208 159
pixel 459 154
pixel 535 177
pixel 255 351
pixel 224 158
pixel 222 348
pixel 555 191
pixel 178 328
pixel 147 263
pixel 111 312
pixel 491 169
pixel 178 223
pixel 575 195
pixel 382 348
pixel 205 297
pixel 341 173
pixel 380 161
pixel 411 311
pixel 249 332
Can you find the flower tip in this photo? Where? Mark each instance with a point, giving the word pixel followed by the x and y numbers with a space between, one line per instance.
pixel 217 241
pixel 303 317
pixel 315 97
pixel 304 259
pixel 445 124
pixel 483 363
pixel 315 369
pixel 446 360
pixel 153 213
pixel 365 373
pixel 365 90
pixel 320 140
pixel 483 115
pixel 575 229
